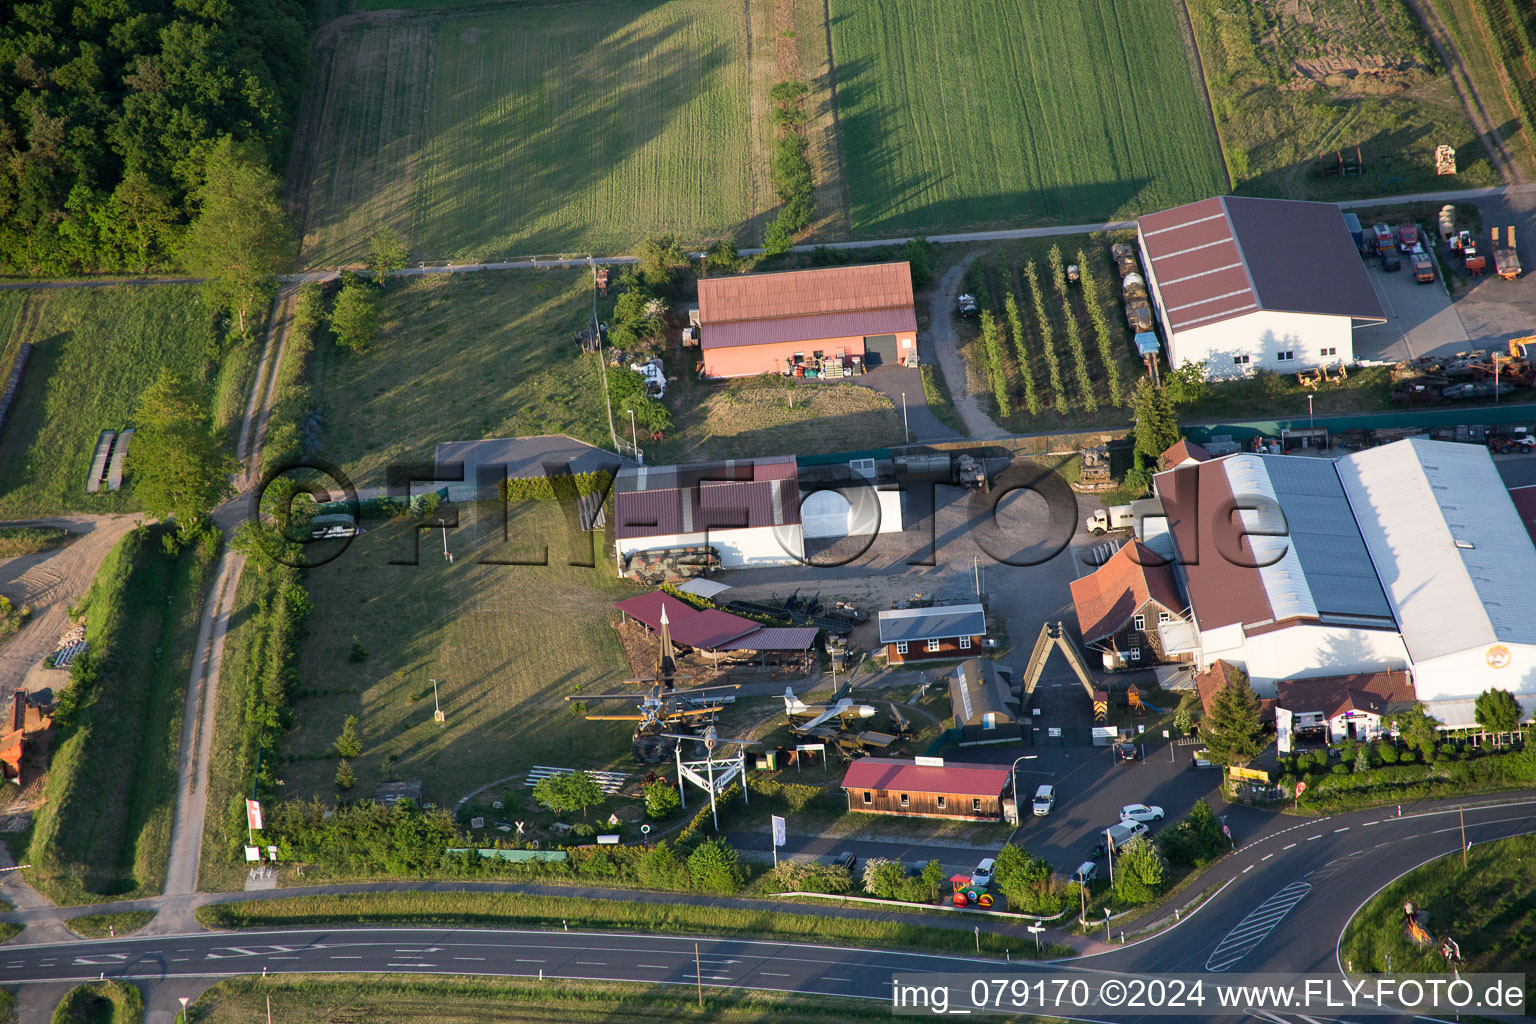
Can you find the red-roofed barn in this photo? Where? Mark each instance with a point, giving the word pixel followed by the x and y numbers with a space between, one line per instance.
pixel 764 323
pixel 1243 284
pixel 927 787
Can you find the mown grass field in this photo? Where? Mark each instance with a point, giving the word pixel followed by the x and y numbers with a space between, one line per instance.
pixel 1290 81
pixel 1487 59
pixel 543 129
pixel 1489 908
pixel 104 827
pixel 996 113
pixel 96 350
pixel 430 1000
pixel 504 642
pixel 101 1002
pixel 461 357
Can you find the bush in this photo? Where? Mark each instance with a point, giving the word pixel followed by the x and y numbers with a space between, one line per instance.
pixel 884 878
pixel 661 867
pixel 1387 752
pixel 1140 874
pixel 359 653
pixel 662 799
pixel 793 876
pixel 715 867
pixel 1197 840
pixel 1339 769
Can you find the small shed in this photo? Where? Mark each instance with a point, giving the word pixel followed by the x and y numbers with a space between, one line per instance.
pixel 944 631
pixel 985 706
pixel 927 787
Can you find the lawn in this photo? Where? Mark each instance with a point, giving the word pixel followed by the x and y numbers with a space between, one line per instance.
pixel 1488 906
pixel 460 357
pixel 504 642
pixel 775 416
pixel 995 113
pixel 429 1000
pixel 103 926
pixel 1291 80
pixel 101 1002
pixel 105 824
pixel 96 350
pixel 540 129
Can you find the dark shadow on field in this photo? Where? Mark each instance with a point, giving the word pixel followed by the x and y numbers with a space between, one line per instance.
pixel 914 203
pixel 537 172
pixel 1392 166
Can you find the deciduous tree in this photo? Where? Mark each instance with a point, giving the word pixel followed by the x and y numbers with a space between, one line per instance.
pixel 568 791
pixel 1497 710
pixel 179 470
pixel 242 237
pixel 355 315
pixel 386 254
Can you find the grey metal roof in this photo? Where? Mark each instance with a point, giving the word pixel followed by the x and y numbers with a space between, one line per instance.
pixel 1301 257
pixel 941 623
pixel 1453 556
pixel 1331 554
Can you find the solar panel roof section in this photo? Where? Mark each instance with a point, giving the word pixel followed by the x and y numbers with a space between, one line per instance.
pixel 1332 554
pixel 1301 258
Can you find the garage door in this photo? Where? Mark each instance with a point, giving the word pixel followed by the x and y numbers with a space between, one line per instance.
pixel 880 348
pixel 824 514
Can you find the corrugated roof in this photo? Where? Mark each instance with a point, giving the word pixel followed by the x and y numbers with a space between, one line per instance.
pixel 1333 695
pixel 689 626
pixel 907 777
pixel 1107 598
pixel 1457 564
pixel 773 638
pixel 797 293
pixel 941 623
pixel 977 690
pixel 662 501
pixel 1230 255
pixel 858 324
pixel 1220 592
pixel 1525 506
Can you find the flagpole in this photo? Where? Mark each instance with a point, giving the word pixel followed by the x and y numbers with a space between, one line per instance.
pixel 773 841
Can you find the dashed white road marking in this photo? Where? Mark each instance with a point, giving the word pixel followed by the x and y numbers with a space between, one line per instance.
pixel 346 958
pixel 1369 823
pixel 653 967
pixel 1310 838
pixel 1344 829
pixel 1289 846
pixel 1265 857
pixel 1247 869
pixel 773 974
pixel 469 958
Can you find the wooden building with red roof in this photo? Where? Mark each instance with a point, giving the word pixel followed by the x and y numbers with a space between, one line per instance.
pixel 1124 605
pixel 927 787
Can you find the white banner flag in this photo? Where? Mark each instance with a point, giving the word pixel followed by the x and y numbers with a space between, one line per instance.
pixel 778 830
pixel 1283 729
pixel 253 815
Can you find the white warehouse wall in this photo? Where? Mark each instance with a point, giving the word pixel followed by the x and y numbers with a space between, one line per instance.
pixel 1470 672
pixel 1303 652
pixel 1262 336
pixel 739 549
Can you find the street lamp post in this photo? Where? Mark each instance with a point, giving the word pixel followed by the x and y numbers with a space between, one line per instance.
pixel 1311 424
pixel 1013 780
pixel 906 428
pixel 634 433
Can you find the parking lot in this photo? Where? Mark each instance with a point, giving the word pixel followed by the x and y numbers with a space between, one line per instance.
pixel 1421 319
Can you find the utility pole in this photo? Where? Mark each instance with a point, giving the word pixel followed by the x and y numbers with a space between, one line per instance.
pixel 1109 847
pixel 905 428
pixel 634 433
pixel 1462 811
pixel 602 367
pixel 698 973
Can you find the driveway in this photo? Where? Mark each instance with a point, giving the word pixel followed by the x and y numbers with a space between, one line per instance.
pixel 904 387
pixel 1421 319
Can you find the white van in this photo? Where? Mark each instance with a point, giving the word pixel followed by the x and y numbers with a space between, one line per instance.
pixel 1045 800
pixel 1086 872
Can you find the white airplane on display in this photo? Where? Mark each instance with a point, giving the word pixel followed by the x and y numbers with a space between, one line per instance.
pixel 794 707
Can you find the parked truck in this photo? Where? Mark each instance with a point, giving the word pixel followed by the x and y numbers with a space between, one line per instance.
pixel 1138 307
pixel 965 305
pixel 1122 517
pixel 1407 237
pixel 1423 264
pixel 1506 260
pixel 1383 236
pixel 1352 222
pixel 1116 836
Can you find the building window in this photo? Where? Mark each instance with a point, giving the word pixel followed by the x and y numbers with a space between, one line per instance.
pixel 941 803
pixel 869 797
pixel 1163 617
pixel 1283 356
pixel 965 643
pixel 1138 622
pixel 1330 352
pixel 1239 360
pixel 1135 653
pixel 905 801
pixel 933 645
pixel 901 647
pixel 975 803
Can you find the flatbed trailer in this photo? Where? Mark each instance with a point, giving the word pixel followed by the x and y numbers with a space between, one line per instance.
pixel 1506 259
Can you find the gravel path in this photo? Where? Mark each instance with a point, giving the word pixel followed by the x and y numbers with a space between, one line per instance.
pixel 947 350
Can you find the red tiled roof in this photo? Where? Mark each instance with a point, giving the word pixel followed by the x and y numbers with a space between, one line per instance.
pixel 1218 677
pixel 1183 450
pixel 1334 695
pixel 1525 504
pixel 797 293
pixel 1107 598
pixel 906 777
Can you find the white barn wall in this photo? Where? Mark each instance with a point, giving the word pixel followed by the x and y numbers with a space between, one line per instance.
pixel 1262 335
pixel 739 549
pixel 1303 652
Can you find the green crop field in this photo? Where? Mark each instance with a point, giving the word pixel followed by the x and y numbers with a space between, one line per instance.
pixel 996 113
pixel 96 350
pixel 548 129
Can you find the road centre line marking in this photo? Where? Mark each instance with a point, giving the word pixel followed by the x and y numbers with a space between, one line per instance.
pixel 828 977
pixel 1344 829
pixel 346 958
pixel 522 961
pixel 1310 838
pixel 1369 823
pixel 592 963
pixel 1266 857
pixel 469 958
pixel 773 974
pixel 1288 847
pixel 410 965
pixel 1247 869
pixel 180 959
pixel 657 967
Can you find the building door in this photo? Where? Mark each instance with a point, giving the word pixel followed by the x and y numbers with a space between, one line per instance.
pixel 881 348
